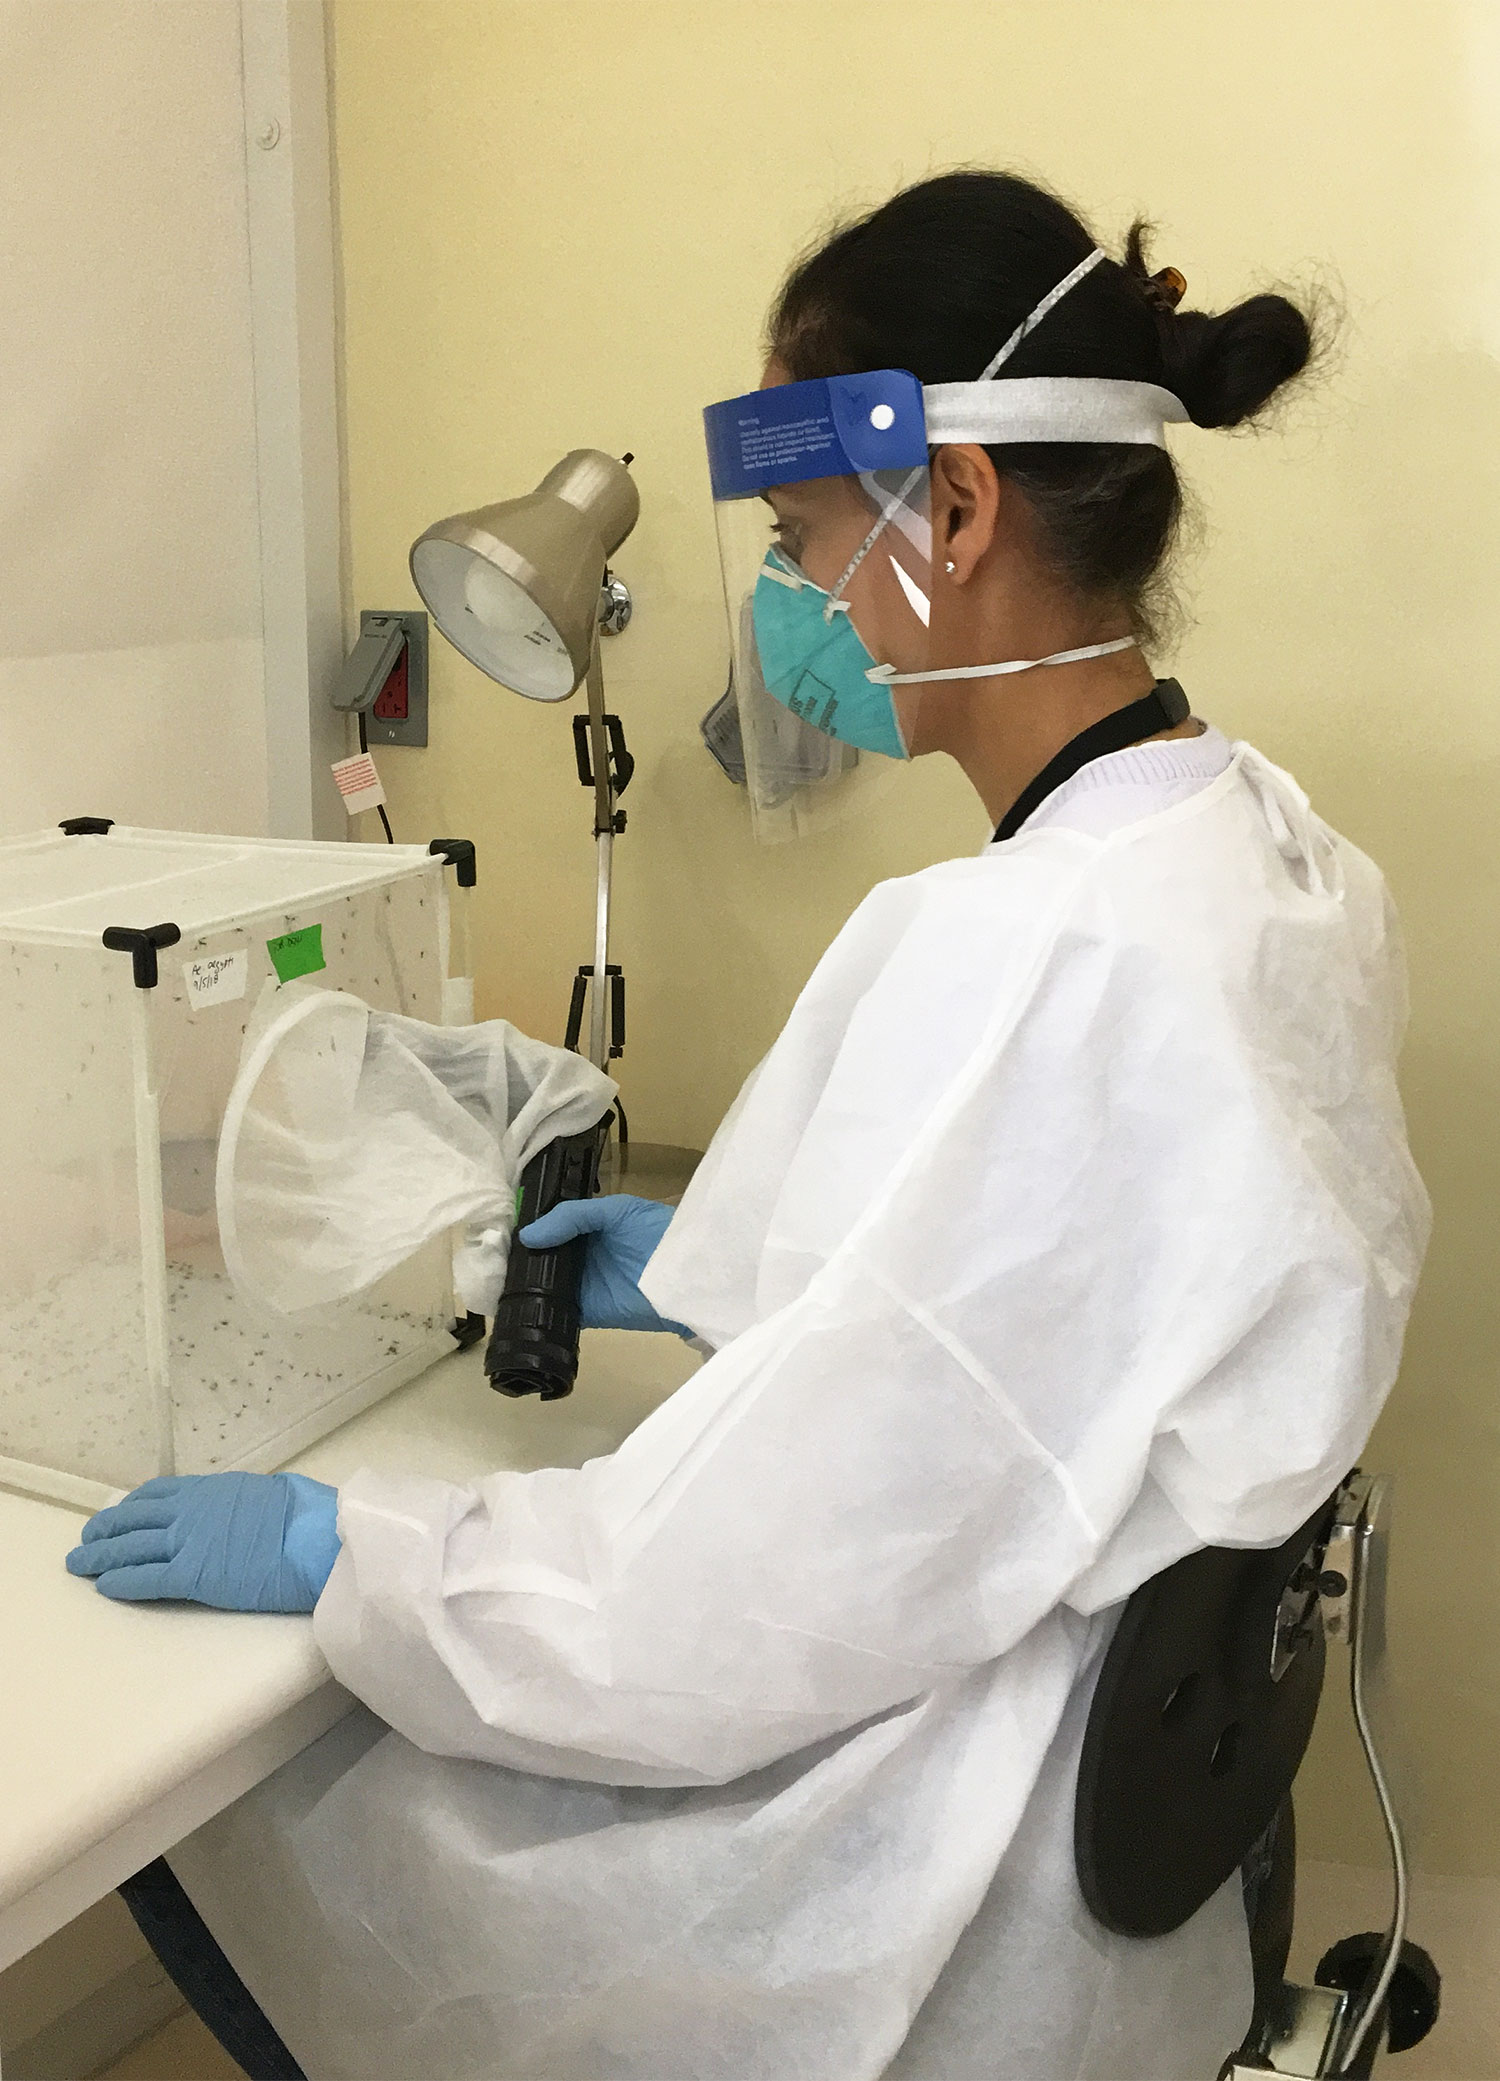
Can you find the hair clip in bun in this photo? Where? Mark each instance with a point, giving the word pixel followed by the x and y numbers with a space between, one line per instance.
pixel 1166 288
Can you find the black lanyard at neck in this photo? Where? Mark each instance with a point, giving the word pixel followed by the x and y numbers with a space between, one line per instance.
pixel 1162 709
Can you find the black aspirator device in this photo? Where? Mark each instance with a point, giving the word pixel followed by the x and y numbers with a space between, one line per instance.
pixel 533 1347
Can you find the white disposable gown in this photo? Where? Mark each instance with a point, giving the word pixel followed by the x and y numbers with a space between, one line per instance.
pixel 1068 1226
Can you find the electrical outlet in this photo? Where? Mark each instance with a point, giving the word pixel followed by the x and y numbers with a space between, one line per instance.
pixel 399 715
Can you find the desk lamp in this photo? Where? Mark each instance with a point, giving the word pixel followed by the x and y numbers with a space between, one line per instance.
pixel 523 590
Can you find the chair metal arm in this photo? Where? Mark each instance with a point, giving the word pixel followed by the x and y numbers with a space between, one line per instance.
pixel 1358 1552
pixel 1327 2032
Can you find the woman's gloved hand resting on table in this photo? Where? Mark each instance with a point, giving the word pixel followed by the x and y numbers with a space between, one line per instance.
pixel 242 1542
pixel 622 1233
pixel 268 1542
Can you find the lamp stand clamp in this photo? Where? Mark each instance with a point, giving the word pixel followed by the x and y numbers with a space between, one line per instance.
pixel 605 766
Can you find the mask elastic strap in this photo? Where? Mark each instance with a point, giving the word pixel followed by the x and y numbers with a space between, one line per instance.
pixel 886 675
pixel 1034 318
pixel 796 582
pixel 907 519
pixel 835 597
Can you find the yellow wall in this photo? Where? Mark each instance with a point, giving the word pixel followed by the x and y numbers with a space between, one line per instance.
pixel 562 221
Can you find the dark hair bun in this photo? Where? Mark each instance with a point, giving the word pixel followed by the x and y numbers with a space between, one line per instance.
pixel 1226 368
pixel 938 277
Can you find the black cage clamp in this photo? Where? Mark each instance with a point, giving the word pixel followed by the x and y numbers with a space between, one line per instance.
pixel 615 984
pixel 459 854
pixel 142 944
pixel 621 759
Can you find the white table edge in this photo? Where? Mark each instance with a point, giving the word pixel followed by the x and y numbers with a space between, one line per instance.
pixel 49 1906
pixel 653 1364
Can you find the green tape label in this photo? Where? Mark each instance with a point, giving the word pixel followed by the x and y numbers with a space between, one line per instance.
pixel 297 953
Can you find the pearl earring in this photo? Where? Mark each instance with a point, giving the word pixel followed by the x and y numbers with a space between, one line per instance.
pixel 950 567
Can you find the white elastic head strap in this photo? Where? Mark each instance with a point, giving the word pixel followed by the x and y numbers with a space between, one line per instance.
pixel 1026 408
pixel 929 391
pixel 1040 408
pixel 887 675
pixel 1049 408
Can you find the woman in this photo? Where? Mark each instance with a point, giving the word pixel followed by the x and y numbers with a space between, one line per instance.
pixel 1068 1226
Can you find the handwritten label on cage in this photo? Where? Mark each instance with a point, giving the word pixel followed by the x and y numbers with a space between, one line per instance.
pixel 358 783
pixel 217 978
pixel 297 953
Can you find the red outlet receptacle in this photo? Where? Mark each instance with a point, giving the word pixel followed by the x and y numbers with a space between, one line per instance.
pixel 398 714
pixel 391 703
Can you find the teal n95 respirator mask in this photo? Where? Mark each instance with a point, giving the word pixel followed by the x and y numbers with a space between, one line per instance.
pixel 812 656
pixel 823 501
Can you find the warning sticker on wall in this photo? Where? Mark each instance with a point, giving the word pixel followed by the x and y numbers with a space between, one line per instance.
pixel 297 953
pixel 217 978
pixel 358 783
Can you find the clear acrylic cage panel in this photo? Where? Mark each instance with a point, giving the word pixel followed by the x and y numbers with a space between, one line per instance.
pixel 241 1382
pixel 74 1390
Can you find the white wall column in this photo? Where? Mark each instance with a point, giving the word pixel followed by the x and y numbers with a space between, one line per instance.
pixel 292 304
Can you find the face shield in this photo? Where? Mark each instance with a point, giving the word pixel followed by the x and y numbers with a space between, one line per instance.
pixel 822 501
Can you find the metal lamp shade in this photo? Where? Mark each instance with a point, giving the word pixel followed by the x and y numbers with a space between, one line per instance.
pixel 516 586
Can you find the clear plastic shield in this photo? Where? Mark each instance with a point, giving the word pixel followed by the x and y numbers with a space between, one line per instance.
pixel 827 581
pixel 823 495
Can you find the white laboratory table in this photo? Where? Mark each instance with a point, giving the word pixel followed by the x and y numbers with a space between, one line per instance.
pixel 125 1727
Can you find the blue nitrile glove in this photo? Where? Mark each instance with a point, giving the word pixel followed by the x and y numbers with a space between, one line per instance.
pixel 244 1542
pixel 622 1233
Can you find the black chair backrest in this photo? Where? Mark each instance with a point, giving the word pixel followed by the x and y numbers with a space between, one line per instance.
pixel 1200 1720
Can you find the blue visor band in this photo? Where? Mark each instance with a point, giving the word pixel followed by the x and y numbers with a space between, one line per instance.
pixel 832 426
